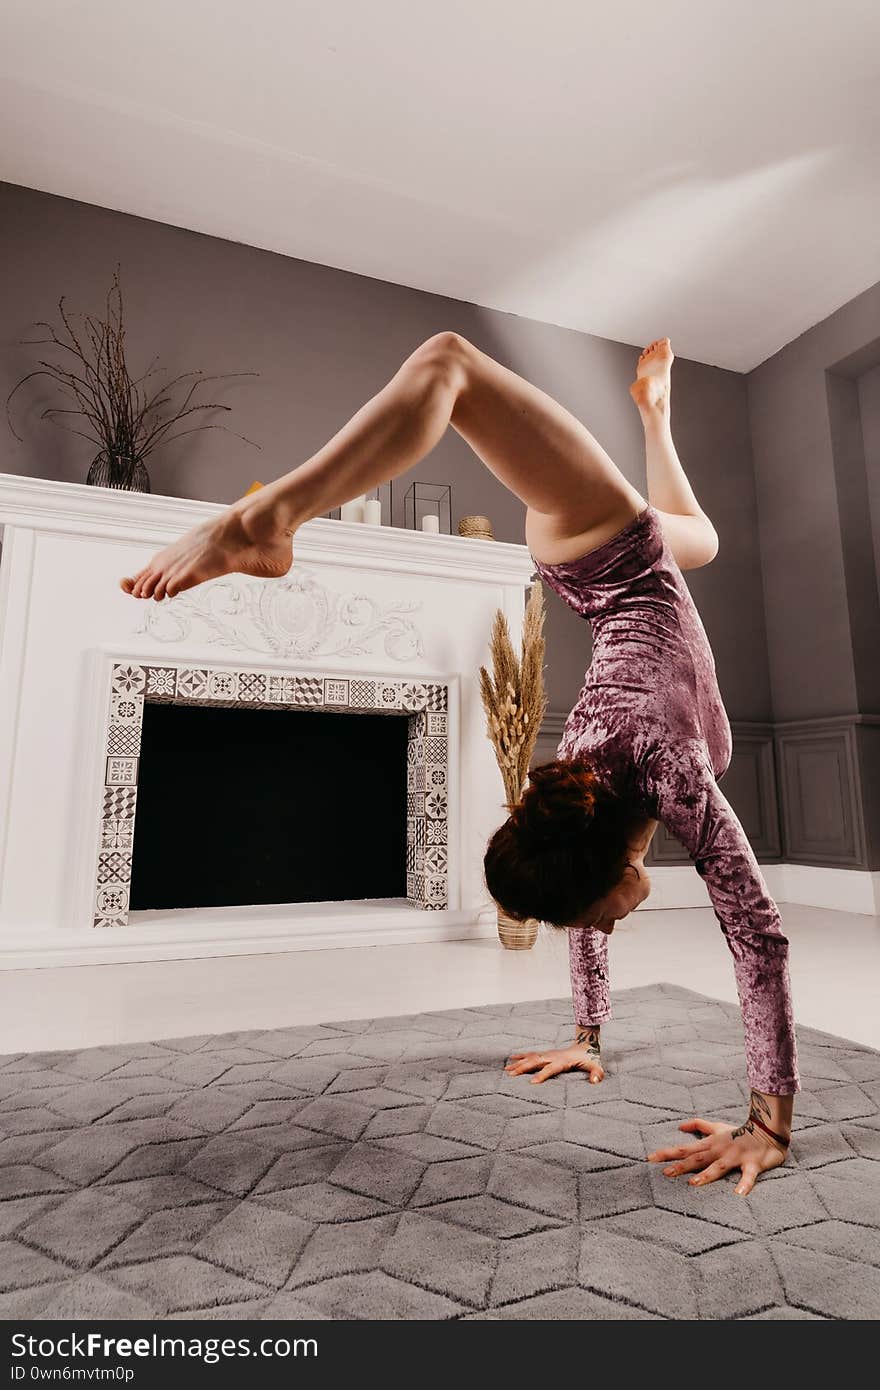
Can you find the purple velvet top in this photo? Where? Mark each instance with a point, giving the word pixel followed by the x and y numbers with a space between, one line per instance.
pixel 651 720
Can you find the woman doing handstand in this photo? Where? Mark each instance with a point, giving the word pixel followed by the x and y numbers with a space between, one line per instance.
pixel 648 736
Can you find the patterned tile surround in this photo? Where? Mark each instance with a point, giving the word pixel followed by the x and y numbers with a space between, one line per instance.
pixel 425 705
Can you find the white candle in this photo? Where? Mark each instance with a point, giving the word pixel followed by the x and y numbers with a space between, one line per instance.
pixel 373 511
pixel 353 510
pixel 431 523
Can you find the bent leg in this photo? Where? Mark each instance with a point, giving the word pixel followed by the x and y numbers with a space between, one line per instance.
pixel 533 445
pixel 688 531
pixel 541 452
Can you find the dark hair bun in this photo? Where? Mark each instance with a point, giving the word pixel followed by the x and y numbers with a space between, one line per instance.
pixel 559 803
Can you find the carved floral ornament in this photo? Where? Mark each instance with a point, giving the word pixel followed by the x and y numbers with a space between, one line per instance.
pixel 296 616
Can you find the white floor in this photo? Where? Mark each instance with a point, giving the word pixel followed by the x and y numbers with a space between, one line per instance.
pixel 835 966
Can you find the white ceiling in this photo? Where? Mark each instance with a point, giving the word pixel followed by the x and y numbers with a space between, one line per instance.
pixel 706 169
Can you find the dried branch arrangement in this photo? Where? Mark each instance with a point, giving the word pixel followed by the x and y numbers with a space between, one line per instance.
pixel 126 417
pixel 513 696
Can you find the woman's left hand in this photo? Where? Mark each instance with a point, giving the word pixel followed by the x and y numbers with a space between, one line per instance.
pixel 722 1149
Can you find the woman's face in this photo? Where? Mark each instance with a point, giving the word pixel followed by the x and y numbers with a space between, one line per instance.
pixel 623 899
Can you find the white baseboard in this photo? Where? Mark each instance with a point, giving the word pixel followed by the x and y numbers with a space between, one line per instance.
pixel 206 932
pixel 840 890
pixel 203 932
pixel 675 886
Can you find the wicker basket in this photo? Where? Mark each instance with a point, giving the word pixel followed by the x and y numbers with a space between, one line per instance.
pixel 515 935
pixel 477 527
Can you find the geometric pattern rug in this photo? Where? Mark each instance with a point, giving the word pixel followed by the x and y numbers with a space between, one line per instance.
pixel 389 1169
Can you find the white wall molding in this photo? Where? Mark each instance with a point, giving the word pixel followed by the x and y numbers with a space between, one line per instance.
pixel 805 792
pixel 823 723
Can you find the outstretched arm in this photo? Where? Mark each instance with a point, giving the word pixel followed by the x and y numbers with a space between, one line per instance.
pixel 588 962
pixel 694 809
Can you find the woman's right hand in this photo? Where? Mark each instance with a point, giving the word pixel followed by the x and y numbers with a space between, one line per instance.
pixel 556 1061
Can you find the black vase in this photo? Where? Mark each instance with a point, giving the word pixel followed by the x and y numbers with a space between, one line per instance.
pixel 120 471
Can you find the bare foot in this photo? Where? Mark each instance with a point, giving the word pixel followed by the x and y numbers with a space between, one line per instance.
pixel 244 540
pixel 653 383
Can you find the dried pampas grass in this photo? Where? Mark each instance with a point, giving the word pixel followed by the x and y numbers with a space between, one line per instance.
pixel 513 696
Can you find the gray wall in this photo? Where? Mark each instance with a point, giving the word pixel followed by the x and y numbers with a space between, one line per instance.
pixel 805 500
pixel 869 409
pixel 323 341
pixel 815 430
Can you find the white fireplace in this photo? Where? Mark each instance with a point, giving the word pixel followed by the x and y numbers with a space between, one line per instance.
pixel 370 620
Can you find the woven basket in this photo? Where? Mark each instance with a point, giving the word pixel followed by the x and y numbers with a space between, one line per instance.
pixel 477 527
pixel 515 935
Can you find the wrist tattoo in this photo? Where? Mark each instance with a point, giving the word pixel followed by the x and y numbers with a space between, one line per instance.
pixel 588 1038
pixel 759 1114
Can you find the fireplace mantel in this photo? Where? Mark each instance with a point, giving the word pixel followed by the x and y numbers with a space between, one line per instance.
pixel 74 509
pixel 360 602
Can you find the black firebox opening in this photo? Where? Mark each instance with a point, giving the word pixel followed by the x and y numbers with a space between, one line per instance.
pixel 243 806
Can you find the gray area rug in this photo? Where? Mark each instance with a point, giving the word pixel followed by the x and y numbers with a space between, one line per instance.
pixel 389 1168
